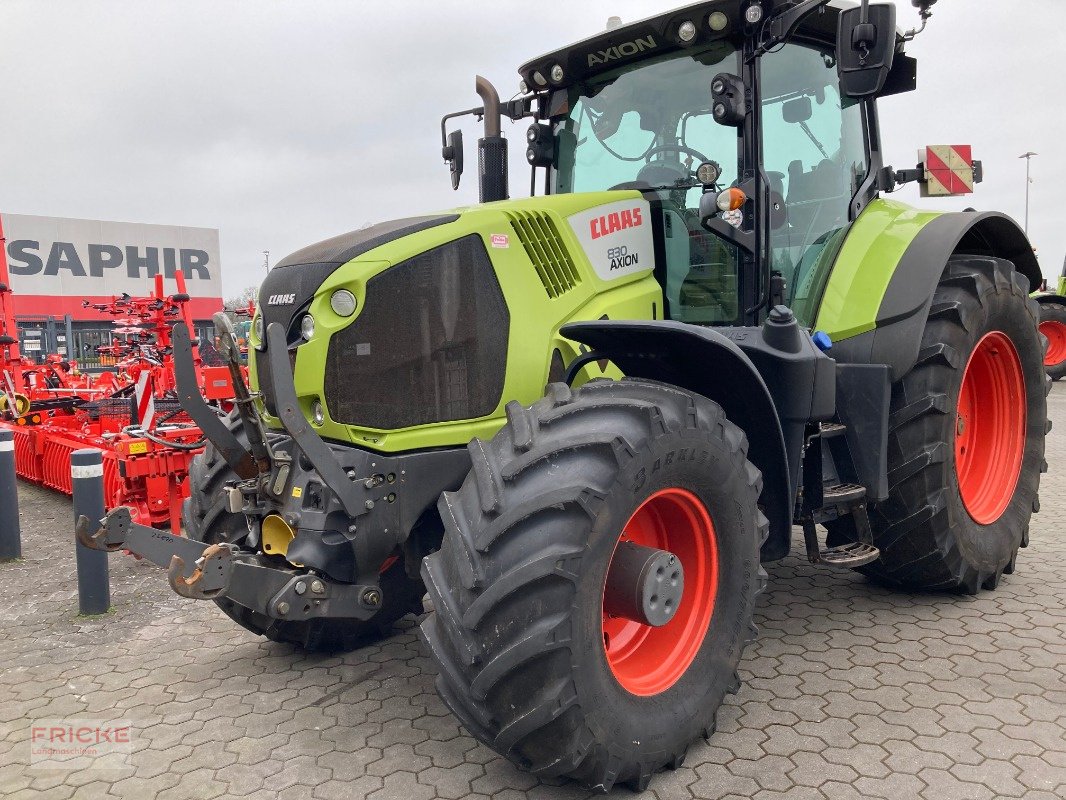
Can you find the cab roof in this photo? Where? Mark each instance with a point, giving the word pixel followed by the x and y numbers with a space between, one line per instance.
pixel 658 35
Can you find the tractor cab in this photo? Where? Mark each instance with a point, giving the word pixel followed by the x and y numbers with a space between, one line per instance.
pixel 753 138
pixel 652 126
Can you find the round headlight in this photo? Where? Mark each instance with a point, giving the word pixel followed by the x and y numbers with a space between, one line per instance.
pixel 257 331
pixel 342 302
pixel 717 21
pixel 523 87
pixel 753 14
pixel 557 73
pixel 307 326
pixel 318 415
pixel 687 31
pixel 539 79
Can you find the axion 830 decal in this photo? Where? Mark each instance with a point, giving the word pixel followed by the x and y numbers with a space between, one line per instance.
pixel 616 237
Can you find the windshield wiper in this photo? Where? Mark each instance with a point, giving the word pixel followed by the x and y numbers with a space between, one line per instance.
pixel 810 134
pixel 784 24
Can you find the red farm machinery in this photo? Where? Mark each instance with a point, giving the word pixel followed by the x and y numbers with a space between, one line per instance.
pixel 132 412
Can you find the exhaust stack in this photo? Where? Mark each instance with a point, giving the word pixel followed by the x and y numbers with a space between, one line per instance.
pixel 492 147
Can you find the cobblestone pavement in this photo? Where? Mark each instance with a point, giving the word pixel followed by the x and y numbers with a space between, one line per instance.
pixel 850 692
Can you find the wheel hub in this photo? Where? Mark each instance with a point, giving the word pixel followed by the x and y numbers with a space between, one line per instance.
pixel 644 584
pixel 649 648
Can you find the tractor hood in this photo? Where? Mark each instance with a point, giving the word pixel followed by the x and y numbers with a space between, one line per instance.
pixel 452 312
pixel 291 284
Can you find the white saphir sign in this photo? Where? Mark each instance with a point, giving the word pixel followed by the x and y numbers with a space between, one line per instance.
pixel 57 256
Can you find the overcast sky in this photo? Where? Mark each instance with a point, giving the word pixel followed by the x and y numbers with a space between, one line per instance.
pixel 283 122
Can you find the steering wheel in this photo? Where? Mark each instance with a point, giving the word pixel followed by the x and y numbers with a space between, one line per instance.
pixel 662 173
pixel 676 148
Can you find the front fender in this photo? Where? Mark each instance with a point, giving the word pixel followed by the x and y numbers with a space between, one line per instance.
pixel 706 362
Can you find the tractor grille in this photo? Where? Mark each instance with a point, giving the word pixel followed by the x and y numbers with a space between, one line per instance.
pixel 430 344
pixel 545 248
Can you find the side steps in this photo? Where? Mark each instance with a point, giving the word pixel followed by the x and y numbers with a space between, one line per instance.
pixel 826 501
pixel 845 556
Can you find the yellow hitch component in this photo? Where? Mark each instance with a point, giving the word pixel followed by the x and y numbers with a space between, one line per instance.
pixel 22 404
pixel 276 535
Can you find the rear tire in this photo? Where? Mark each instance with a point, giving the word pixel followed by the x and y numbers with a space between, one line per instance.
pixel 1053 327
pixel 518 632
pixel 955 517
pixel 207 518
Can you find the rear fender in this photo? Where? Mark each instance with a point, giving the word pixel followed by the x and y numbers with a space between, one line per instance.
pixel 896 334
pixel 706 362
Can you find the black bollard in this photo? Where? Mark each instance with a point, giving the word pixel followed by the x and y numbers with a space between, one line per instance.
pixel 87 473
pixel 10 533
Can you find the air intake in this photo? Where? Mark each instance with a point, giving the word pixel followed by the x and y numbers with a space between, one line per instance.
pixel 546 250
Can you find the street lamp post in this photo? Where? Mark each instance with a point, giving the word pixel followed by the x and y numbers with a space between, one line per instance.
pixel 266 261
pixel 1028 180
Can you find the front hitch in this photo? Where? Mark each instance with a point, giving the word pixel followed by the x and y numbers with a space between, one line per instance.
pixel 210 577
pixel 211 565
pixel 292 418
pixel 223 571
pixel 253 424
pixel 232 451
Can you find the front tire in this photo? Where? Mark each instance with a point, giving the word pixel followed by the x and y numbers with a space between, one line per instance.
pixel 206 518
pixel 528 659
pixel 966 442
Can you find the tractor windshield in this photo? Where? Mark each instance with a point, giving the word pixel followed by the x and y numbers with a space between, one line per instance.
pixel 648 127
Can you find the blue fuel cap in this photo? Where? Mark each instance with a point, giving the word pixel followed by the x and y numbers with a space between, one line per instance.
pixel 822 341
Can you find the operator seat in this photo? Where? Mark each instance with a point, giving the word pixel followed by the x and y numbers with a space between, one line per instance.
pixel 816 199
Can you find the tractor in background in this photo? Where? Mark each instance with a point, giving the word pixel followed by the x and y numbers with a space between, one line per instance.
pixel 1053 325
pixel 584 420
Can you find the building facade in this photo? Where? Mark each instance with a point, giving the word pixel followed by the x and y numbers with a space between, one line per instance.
pixel 56 266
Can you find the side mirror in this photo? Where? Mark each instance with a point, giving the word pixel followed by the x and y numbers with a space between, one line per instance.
pixel 798 110
pixel 865 50
pixel 453 154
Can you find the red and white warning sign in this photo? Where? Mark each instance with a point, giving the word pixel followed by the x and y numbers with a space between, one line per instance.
pixel 144 393
pixel 949 170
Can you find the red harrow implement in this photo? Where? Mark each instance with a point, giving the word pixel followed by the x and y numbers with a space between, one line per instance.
pixel 133 414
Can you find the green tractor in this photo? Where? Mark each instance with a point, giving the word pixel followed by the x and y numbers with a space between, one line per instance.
pixel 1053 325
pixel 737 334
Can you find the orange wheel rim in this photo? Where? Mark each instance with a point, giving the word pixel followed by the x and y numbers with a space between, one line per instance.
pixel 990 428
pixel 1055 332
pixel 648 660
